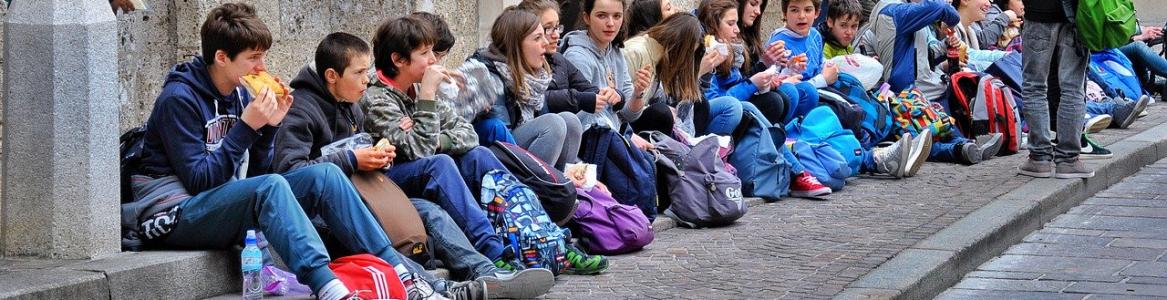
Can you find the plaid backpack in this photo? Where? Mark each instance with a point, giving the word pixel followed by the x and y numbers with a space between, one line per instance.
pixel 913 113
pixel 519 219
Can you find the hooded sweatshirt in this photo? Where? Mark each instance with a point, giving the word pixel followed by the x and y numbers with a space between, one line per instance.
pixel 315 120
pixel 901 42
pixel 197 134
pixel 598 67
pixel 435 123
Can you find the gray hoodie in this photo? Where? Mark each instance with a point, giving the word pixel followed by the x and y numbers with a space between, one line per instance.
pixel 579 49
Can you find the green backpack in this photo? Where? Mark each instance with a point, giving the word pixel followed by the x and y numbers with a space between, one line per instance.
pixel 1105 24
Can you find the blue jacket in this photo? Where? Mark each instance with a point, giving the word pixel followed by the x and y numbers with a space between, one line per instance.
pixel 198 135
pixel 811 45
pixel 902 46
pixel 733 84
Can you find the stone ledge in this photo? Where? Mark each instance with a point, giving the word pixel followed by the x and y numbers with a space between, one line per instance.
pixel 128 275
pixel 940 260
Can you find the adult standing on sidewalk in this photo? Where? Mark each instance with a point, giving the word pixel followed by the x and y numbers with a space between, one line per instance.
pixel 1050 44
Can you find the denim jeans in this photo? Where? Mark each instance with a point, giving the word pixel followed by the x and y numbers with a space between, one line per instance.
pixel 1104 107
pixel 944 148
pixel 492 129
pixel 437 178
pixel 803 98
pixel 1144 58
pixel 554 138
pixel 450 245
pixel 281 207
pixel 725 113
pixel 1053 47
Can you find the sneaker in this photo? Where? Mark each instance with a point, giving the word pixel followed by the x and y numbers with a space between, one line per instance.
pixel 524 284
pixel 805 185
pixel 990 144
pixel 1097 123
pixel 1129 111
pixel 1074 169
pixel 418 289
pixel 466 290
pixel 1092 150
pixel 891 160
pixel 509 265
pixel 580 263
pixel 970 153
pixel 1036 168
pixel 921 148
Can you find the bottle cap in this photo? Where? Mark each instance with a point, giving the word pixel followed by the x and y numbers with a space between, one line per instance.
pixel 250 239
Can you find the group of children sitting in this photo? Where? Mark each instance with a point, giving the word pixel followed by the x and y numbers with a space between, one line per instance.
pixel 219 159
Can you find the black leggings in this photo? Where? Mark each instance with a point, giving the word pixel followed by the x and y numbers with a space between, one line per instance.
pixel 656 117
pixel 772 104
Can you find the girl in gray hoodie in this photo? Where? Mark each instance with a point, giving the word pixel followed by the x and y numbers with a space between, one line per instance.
pixel 600 61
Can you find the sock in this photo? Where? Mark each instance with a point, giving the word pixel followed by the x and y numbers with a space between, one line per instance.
pixel 333 290
pixel 404 275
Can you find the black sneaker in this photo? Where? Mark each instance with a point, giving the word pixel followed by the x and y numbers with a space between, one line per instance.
pixel 1092 150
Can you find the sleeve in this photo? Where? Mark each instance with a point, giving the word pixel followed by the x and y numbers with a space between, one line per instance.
pixel 991 30
pixel 383 116
pixel 911 17
pixel 626 92
pixel 183 132
pixel 457 135
pixel 294 142
pixel 580 94
pixel 262 153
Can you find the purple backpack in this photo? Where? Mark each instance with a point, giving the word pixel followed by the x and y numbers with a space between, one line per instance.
pixel 608 227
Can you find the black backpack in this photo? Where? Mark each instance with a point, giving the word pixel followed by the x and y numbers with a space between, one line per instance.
pixel 132 142
pixel 555 191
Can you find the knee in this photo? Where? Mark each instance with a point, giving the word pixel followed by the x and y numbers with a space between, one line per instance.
pixel 555 125
pixel 440 162
pixel 729 106
pixel 574 127
pixel 324 170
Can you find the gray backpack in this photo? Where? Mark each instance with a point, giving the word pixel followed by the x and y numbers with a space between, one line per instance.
pixel 703 193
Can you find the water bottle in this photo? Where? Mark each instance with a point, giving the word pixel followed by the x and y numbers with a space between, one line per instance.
pixel 252 262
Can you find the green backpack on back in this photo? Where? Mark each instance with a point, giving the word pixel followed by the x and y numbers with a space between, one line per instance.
pixel 1105 24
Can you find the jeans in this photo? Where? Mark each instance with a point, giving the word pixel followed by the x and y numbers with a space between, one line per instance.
pixel 437 178
pixel 656 117
pixel 281 207
pixel 554 138
pixel 1105 107
pixel 1144 58
pixel 492 129
pixel 725 113
pixel 1053 47
pixel 803 98
pixel 450 245
pixel 944 149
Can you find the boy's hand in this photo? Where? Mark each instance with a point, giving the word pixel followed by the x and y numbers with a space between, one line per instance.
pixel 797 63
pixel 792 79
pixel 369 159
pixel 952 41
pixel 282 105
pixel 710 62
pixel 434 75
pixel 257 113
pixel 775 54
pixel 830 72
pixel 643 79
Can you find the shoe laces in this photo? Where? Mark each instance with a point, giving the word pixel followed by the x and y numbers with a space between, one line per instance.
pixel 808 180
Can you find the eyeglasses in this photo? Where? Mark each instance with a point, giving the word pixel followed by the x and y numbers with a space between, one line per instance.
pixel 558 30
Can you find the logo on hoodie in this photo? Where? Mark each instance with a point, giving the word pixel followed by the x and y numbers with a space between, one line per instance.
pixel 216 130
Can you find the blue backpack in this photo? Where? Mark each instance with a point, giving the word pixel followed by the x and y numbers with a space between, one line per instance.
pixel 877 123
pixel 824 162
pixel 1115 74
pixel 629 172
pixel 763 171
pixel 519 219
pixel 821 125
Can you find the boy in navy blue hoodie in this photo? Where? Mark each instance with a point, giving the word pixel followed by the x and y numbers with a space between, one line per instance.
pixel 205 159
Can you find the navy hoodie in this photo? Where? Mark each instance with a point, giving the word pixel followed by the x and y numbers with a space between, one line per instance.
pixel 315 120
pixel 197 134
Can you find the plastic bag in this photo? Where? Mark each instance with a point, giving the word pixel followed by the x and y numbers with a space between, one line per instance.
pixel 477 95
pixel 282 283
pixel 358 141
pixel 866 69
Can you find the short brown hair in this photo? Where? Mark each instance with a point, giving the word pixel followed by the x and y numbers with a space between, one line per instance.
pixel 445 38
pixel 233 28
pixel 399 36
pixel 816 3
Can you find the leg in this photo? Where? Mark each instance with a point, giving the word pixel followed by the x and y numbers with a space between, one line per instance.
pixel 1071 109
pixel 657 117
pixel 1143 56
pixel 543 136
pixel 217 219
pixel 808 98
pixel 773 105
pixel 435 178
pixel 792 101
pixel 724 115
pixel 1037 55
pixel 474 164
pixel 450 245
pixel 492 129
pixel 571 140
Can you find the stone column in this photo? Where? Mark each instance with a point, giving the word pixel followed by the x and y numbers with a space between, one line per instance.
pixel 60 192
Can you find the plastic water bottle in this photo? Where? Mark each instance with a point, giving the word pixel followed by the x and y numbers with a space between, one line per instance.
pixel 252 262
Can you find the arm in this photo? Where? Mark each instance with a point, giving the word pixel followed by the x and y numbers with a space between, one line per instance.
pixel 633 105
pixel 294 142
pixel 991 30
pixel 182 130
pixel 580 94
pixel 911 17
pixel 383 119
pixel 262 152
pixel 457 135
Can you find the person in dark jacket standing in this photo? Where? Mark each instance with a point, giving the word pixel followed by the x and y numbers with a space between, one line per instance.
pixel 1050 44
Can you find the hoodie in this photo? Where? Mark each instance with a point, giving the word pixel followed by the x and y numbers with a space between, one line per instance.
pixel 315 120
pixel 569 90
pixel 597 66
pixel 197 134
pixel 811 44
pixel 901 42
pixel 436 129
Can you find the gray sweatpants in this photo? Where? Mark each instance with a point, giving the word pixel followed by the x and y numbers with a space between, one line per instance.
pixel 552 137
pixel 1053 47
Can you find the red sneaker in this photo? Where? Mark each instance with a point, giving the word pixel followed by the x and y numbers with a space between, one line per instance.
pixel 805 185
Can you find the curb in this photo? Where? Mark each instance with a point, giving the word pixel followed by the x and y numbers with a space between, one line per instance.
pixel 934 264
pixel 129 275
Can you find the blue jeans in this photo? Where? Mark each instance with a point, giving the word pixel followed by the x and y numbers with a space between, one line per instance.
pixel 450 244
pixel 1144 58
pixel 1105 107
pixel 803 98
pixel 944 150
pixel 434 178
pixel 492 129
pixel 725 113
pixel 281 207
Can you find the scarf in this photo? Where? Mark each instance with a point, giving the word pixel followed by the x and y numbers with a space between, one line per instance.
pixel 739 55
pixel 531 100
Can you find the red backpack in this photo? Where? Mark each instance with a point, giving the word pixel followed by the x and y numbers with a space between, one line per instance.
pixel 983 104
pixel 368 277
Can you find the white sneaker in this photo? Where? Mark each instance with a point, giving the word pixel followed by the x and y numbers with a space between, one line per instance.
pixel 921 148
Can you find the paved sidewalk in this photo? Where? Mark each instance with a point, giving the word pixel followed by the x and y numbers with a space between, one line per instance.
pixel 810 249
pixel 1110 247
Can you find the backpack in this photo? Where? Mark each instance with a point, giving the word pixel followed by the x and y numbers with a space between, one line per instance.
pixel 519 219
pixel 556 192
pixel 982 104
pixel 703 193
pixel 1105 24
pixel 132 142
pixel 913 113
pixel 629 172
pixel 763 170
pixel 368 277
pixel 1114 72
pixel 1008 70
pixel 395 212
pixel 877 121
pixel 851 115
pixel 824 162
pixel 821 125
pixel 605 226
